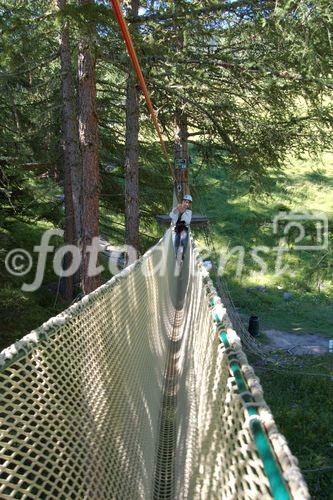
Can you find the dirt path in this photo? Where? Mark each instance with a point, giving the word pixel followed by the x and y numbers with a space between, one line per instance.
pixel 296 343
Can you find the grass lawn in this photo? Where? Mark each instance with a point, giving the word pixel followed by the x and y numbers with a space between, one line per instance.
pixel 243 222
pixel 23 311
pixel 302 404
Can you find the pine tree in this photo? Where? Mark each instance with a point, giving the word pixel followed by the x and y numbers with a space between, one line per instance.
pixel 181 155
pixel 132 151
pixel 88 137
pixel 72 164
pixel 243 96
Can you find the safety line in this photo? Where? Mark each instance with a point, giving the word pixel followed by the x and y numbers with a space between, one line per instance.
pixel 132 53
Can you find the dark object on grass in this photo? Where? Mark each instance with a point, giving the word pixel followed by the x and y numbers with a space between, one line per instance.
pixel 254 326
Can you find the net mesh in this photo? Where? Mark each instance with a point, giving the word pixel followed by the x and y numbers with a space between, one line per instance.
pixel 128 394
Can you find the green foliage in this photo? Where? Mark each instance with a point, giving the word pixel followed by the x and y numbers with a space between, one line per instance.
pixel 251 99
pixel 251 96
pixel 21 312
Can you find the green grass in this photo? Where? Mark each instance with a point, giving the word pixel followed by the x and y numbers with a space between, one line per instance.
pixel 242 219
pixel 302 405
pixel 305 312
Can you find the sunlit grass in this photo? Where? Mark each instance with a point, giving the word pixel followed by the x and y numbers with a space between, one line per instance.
pixel 301 404
pixel 242 219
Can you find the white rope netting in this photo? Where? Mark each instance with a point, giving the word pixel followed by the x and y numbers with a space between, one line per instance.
pixel 128 394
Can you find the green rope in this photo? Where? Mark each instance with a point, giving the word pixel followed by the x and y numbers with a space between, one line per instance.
pixel 271 467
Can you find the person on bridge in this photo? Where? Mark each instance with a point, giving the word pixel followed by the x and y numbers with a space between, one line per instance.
pixel 181 215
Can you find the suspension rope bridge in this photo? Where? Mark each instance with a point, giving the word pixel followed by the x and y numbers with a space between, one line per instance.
pixel 140 390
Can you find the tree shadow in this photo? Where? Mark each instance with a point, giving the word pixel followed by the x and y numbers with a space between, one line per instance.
pixel 319 177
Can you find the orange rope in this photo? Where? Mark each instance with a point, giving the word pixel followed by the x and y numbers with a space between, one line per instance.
pixel 131 50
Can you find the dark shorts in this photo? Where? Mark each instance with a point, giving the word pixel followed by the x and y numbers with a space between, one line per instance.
pixel 180 238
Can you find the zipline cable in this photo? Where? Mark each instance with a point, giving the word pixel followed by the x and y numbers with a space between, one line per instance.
pixel 134 58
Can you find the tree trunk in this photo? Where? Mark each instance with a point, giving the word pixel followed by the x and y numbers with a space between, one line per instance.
pixel 180 123
pixel 88 137
pixel 181 153
pixel 181 135
pixel 71 133
pixel 132 152
pixel 72 183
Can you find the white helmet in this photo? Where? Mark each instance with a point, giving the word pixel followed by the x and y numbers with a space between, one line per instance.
pixel 187 197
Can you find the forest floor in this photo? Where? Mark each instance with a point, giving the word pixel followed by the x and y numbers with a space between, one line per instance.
pixel 299 300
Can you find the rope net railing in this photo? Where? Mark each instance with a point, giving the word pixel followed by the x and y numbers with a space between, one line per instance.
pixel 131 393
